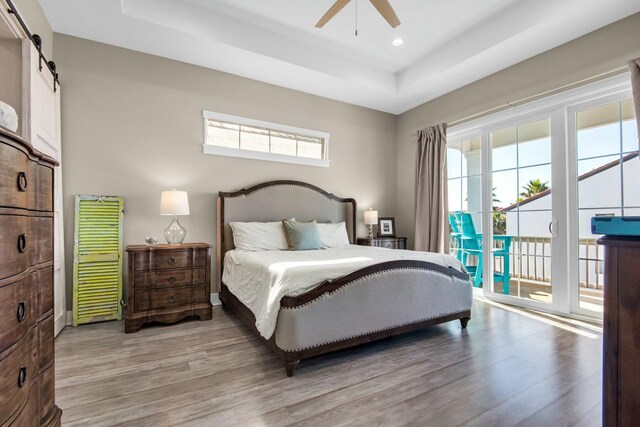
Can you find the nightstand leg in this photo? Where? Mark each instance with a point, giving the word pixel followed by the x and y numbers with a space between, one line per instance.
pixel 134 325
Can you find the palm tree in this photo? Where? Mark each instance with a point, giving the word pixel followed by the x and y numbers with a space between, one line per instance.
pixel 534 187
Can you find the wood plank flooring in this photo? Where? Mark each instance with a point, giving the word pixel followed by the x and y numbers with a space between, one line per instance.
pixel 506 369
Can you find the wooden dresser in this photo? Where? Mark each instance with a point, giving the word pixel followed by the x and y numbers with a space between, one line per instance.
pixel 166 283
pixel 26 285
pixel 621 342
pixel 384 242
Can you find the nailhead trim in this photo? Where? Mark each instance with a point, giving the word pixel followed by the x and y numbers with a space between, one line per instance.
pixel 368 333
pixel 342 289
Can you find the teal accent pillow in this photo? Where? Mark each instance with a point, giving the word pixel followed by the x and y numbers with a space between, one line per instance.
pixel 302 236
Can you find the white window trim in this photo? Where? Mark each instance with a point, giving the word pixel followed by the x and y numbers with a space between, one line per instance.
pixel 260 155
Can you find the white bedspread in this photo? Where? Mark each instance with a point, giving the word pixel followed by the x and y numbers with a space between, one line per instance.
pixel 261 279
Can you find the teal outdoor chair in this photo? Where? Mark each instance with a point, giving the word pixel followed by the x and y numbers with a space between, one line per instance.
pixel 471 244
pixel 455 236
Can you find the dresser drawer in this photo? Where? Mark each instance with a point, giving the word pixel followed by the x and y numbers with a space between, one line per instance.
pixel 47 391
pixel 44 201
pixel 17 311
pixel 17 245
pixel 30 414
pixel 24 241
pixel 169 278
pixel 17 185
pixel 43 227
pixel 160 260
pixel 45 342
pixel 43 285
pixel 17 372
pixel 172 297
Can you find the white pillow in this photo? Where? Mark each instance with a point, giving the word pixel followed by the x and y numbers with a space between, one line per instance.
pixel 333 235
pixel 259 236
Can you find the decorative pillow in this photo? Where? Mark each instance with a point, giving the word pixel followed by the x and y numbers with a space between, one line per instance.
pixel 302 236
pixel 333 235
pixel 259 236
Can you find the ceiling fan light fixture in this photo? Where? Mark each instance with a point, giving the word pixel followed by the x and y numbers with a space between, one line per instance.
pixel 397 42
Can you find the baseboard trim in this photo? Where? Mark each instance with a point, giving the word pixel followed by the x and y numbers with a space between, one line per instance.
pixel 215 299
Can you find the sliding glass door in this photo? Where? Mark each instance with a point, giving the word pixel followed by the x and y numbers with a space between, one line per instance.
pixel 522 211
pixel 524 185
pixel 605 174
pixel 502 214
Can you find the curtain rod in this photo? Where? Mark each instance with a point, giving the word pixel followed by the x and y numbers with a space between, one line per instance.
pixel 37 42
pixel 530 98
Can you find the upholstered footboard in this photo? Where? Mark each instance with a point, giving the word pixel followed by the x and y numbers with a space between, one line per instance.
pixel 376 302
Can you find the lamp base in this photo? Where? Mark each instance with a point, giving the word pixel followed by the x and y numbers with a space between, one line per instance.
pixel 175 233
pixel 371 236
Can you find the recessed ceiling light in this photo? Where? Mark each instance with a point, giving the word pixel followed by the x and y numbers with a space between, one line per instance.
pixel 397 42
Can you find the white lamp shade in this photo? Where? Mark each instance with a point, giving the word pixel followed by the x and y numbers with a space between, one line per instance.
pixel 370 217
pixel 174 203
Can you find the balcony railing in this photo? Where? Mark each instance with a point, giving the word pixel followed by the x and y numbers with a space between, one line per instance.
pixel 531 260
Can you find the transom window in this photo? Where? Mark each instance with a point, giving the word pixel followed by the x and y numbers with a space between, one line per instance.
pixel 247 138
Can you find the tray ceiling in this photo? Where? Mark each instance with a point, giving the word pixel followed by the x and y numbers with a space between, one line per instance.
pixel 447 44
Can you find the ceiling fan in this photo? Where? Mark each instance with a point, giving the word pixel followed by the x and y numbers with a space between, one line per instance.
pixel 383 7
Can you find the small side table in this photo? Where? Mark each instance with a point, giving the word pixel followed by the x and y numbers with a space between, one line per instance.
pixel 166 283
pixel 384 242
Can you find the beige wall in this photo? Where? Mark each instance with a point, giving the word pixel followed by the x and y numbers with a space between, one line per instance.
pixel 37 22
pixel 132 126
pixel 595 53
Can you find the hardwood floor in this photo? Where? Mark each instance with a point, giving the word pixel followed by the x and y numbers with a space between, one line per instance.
pixel 506 369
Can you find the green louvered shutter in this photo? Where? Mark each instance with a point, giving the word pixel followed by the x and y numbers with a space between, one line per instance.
pixel 97 259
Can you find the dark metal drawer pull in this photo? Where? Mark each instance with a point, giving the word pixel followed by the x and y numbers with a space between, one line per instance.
pixel 172 298
pixel 172 280
pixel 22 243
pixel 172 260
pixel 22 181
pixel 22 311
pixel 22 377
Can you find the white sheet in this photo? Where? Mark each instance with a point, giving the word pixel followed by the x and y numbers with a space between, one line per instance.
pixel 261 279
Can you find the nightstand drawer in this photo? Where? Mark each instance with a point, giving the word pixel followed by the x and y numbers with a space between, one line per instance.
pixel 171 297
pixel 384 242
pixel 169 278
pixel 161 260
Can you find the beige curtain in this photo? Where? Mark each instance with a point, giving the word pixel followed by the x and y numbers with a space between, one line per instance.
pixel 634 66
pixel 432 212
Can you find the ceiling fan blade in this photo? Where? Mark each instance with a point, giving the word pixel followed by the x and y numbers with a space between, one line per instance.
pixel 333 11
pixel 386 11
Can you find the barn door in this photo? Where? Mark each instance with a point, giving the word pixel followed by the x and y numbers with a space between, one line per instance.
pixel 43 127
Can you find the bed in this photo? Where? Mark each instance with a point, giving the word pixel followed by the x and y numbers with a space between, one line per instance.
pixel 377 293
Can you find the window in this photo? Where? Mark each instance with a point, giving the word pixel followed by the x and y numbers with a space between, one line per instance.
pixel 234 136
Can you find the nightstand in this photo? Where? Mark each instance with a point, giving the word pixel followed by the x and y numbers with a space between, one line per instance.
pixel 166 283
pixel 384 242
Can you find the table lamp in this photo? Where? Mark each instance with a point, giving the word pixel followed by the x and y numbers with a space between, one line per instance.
pixel 370 219
pixel 174 203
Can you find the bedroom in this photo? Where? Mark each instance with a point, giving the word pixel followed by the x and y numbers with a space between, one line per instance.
pixel 135 80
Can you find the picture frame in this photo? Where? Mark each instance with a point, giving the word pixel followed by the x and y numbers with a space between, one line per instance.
pixel 387 226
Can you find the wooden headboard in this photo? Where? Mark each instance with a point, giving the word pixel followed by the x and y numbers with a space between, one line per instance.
pixel 273 201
